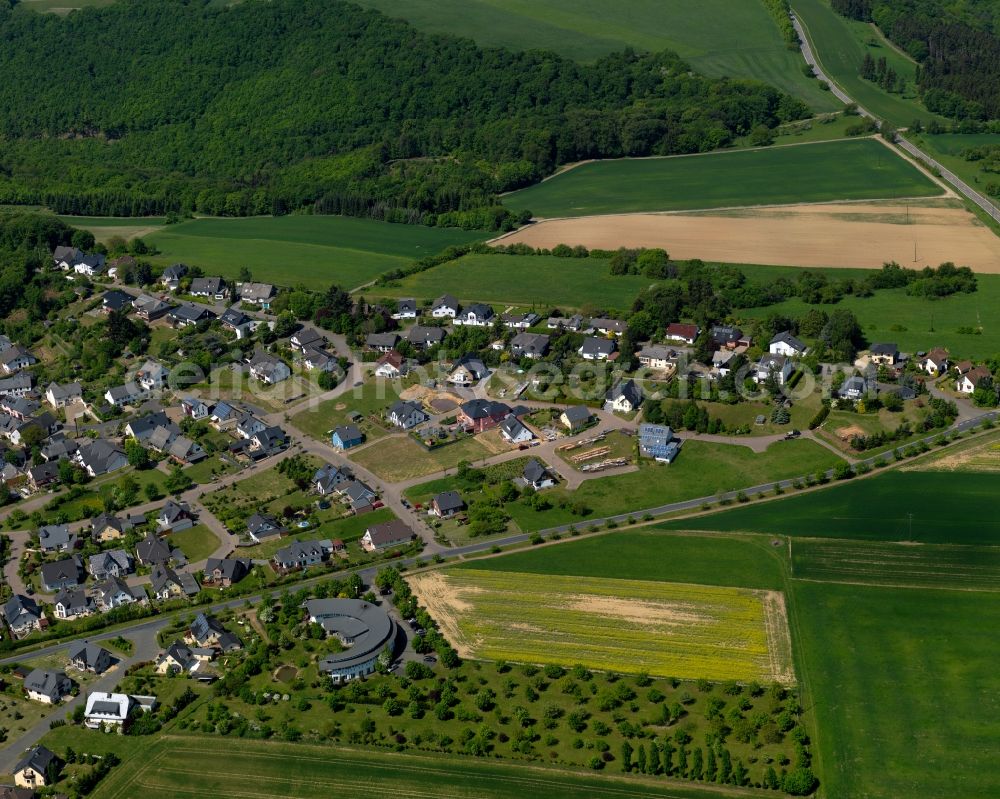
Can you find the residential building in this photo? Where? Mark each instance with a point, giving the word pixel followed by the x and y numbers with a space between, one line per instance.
pixel 575 417
pixel 149 309
pixel 328 478
pixel 853 388
pixel 973 379
pixel 776 367
pixel 514 431
pixel 446 504
pixel 576 323
pixel 388 534
pixel 113 593
pixel 18 385
pixel 722 362
pixel 406 414
pixel 208 632
pixel 55 538
pixel 108 527
pixel 468 370
pixel 257 293
pixel 107 710
pixel 306 338
pixel 46 686
pixel 100 457
pixel 478 415
pixel 423 336
pixel 152 551
pixel 657 356
pixel 657 441
pixel 15 358
pixel 536 476
pixel 301 554
pixel 382 342
pixel 476 315
pixel 188 314
pixel 597 349
pixel 676 331
pixel 406 309
pixel 318 360
pixel 110 563
pixel 72 603
pixel 38 768
pixel 608 327
pixel 22 614
pixel 347 436
pixel 91 265
pixel 392 365
pixel 444 307
pixel 787 345
pixel 268 369
pixel 359 497
pixel 624 397
pixel 174 517
pixel 172 275
pixel 60 396
pixel 176 659
pixel 262 526
pixel 365 631
pixel 85 656
pixel 884 354
pixel 116 301
pixel 236 321
pixel 936 361
pixel 195 408
pixel 168 584
pixel 64 257
pixel 211 287
pixel 226 572
pixel 519 321
pixel 61 574
pixel 268 441
pixel 247 426
pixel 529 345
pixel 726 336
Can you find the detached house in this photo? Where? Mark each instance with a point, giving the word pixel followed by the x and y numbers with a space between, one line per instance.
pixel 347 436
pixel 212 287
pixel 446 504
pixel 327 478
pixel 110 563
pixel 381 342
pixel 301 554
pixel 60 396
pixel 406 414
pixel 624 397
pixel 100 457
pixel 536 476
pixel 189 314
pixel 113 593
pixel 468 370
pixel 514 431
pixel 519 321
pixel 55 538
pixel 85 656
pixel 47 687
pixel 174 517
pixel 257 293
pixel 306 338
pixel 597 349
pixel 656 356
pixel 61 574
pixel 657 441
pixel 388 534
pixel 38 768
pixel 478 415
pixel 884 354
pixel 148 308
pixel 773 366
pixel 575 417
pixel 423 336
pixel 209 633
pixel 262 526
pixel 973 379
pixel 787 345
pixel 529 345
pixel 22 615
pixel 853 388
pixel 406 309
pixel 476 315
pixel 15 358
pixel 392 365
pixel 676 331
pixel 168 584
pixel 226 572
pixel 172 275
pixel 236 321
pixel 268 369
pixel 152 551
pixel 18 385
pixel 445 306
pixel 64 257
pixel 71 603
pixel 936 362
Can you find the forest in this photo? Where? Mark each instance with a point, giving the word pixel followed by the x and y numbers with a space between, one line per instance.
pixel 956 46
pixel 318 105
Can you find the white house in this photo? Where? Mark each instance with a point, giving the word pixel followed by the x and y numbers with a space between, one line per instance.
pixel 787 345
pixel 406 309
pixel 514 431
pixel 268 369
pixel 445 306
pixel 777 366
pixel 60 396
pixel 624 397
pixel 935 362
pixel 971 380
pixel 476 315
pixel 597 349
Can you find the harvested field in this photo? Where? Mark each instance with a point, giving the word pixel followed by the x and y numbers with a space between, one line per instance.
pixel 977 456
pixel 962 568
pixel 850 235
pixel 666 629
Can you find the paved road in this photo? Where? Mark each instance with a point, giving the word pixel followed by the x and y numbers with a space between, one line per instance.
pixel 964 188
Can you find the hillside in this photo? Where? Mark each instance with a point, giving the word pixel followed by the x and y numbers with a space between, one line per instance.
pixel 268 107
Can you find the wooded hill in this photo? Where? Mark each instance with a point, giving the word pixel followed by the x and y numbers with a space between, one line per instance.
pixel 177 105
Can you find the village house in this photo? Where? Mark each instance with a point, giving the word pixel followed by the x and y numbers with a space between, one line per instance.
pixel 262 526
pixel 59 396
pixel 234 320
pixel 226 572
pixel 726 336
pixel 529 345
pixel 657 442
pixel 388 534
pixel 884 354
pixel 172 276
pixel 188 314
pixel 446 504
pixel 514 431
pixel 72 603
pixel 116 301
pixel 853 388
pixel 61 574
pixel 176 659
pixel 152 551
pixel 64 257
pixel 38 768
pixel 114 593
pixel 406 414
pixel 46 686
pixel 676 331
pixel 477 415
pixel 327 478
pixel 347 436
pixel 776 367
pixel 15 358
pixel 100 457
pixel 423 336
pixel 467 371
pixel 109 711
pixel 787 345
pixel 519 321
pixel 22 614
pixel 174 517
pixel 195 408
pixel 55 538
pixel 248 425
pixel 973 379
pixel 392 365
pixel 18 385
pixel 624 397
pixel 658 357
pixel 208 632
pixel 85 656
pixel 305 338
pixel 318 360
pixel 109 563
pixel 405 309
pixel 445 306
pixel 268 369
pixel 936 362
pixel 257 294
pixel 722 362
pixel 168 584
pixel 476 315
pixel 575 417
pixel 302 554
pixel 536 476
pixel 597 349
pixel 211 287
pixel 149 309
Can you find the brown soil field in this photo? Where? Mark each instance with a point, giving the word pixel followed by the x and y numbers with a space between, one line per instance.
pixel 849 235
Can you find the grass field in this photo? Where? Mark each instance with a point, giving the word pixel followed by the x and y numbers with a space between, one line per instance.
pixel 666 629
pixel 197 543
pixel 718 38
pixel 905 689
pixel 855 169
pixel 876 509
pixel 402 458
pixel 916 324
pixel 544 281
pixel 947 148
pixel 840 45
pixel 904 565
pixel 312 250
pixel 173 766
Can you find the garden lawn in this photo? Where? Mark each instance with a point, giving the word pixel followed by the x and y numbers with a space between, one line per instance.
pixel 533 281
pixel 907 705
pixel 314 251
pixel 646 554
pixel 371 398
pixel 840 45
pixel 197 543
pixel 401 458
pixel 945 509
pixel 717 37
pixel 857 169
pixel 208 469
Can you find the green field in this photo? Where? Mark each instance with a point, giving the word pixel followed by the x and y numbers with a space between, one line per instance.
pixel 197 543
pixel 717 37
pixel 633 626
pixel 876 509
pixel 905 688
pixel 948 147
pixel 528 280
pixel 853 169
pixel 312 250
pixel 902 565
pixel 916 324
pixel 840 45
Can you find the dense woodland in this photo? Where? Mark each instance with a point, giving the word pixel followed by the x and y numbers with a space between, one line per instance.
pixel 180 105
pixel 955 42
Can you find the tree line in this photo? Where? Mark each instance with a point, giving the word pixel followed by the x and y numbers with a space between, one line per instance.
pixel 956 45
pixel 269 107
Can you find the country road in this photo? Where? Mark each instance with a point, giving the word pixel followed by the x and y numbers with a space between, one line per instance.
pixel 964 188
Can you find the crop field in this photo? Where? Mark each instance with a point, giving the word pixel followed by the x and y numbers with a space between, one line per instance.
pixel 312 250
pixel 717 37
pixel 841 44
pixel 967 568
pixel 674 629
pixel 978 455
pixel 888 507
pixel 855 169
pixel 905 688
pixel 172 766
pixel 848 235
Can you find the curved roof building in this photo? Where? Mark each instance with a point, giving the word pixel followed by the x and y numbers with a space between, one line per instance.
pixel 363 628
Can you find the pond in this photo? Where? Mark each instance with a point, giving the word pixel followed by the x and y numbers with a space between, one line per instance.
pixel 286 673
